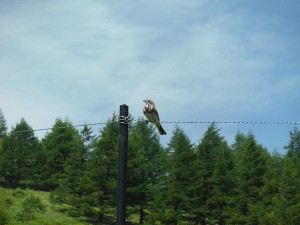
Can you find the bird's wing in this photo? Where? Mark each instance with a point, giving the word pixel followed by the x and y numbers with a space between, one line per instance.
pixel 155 111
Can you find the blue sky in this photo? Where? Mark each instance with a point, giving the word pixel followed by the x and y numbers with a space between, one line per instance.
pixel 198 60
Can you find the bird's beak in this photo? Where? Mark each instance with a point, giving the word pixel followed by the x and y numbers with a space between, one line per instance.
pixel 145 101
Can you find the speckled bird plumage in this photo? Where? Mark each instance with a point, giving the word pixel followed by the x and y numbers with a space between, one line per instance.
pixel 152 115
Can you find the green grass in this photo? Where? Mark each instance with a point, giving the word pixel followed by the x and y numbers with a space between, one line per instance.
pixel 11 207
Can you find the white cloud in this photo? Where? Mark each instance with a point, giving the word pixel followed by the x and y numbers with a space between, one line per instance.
pixel 199 60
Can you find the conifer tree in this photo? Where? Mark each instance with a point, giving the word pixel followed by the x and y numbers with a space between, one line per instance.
pixel 77 170
pixel 19 155
pixel 3 126
pixel 101 175
pixel 87 139
pixel 181 171
pixel 293 147
pixel 284 205
pixel 62 149
pixel 281 194
pixel 214 180
pixel 3 130
pixel 252 166
pixel 145 167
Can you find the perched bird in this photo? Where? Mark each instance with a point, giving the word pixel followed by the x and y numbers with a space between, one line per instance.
pixel 152 115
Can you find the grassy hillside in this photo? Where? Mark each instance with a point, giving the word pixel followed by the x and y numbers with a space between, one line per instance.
pixel 19 207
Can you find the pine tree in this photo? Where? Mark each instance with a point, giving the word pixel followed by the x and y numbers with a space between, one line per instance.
pixel 87 139
pixel 101 175
pixel 284 202
pixel 62 150
pixel 214 180
pixel 181 171
pixel 76 169
pixel 281 194
pixel 3 130
pixel 19 155
pixel 293 147
pixel 145 167
pixel 3 126
pixel 252 167
pixel 274 193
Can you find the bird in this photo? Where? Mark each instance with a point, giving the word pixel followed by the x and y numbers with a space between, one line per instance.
pixel 152 115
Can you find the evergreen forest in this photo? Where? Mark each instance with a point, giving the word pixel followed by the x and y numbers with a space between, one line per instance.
pixel 205 183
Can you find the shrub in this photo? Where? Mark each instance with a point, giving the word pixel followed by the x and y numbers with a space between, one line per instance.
pixel 3 217
pixel 18 193
pixel 8 201
pixel 31 205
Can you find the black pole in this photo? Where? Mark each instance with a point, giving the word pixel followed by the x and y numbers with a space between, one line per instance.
pixel 122 173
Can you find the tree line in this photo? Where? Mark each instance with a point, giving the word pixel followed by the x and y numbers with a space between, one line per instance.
pixel 210 182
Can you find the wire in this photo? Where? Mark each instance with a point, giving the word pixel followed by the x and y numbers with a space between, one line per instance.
pixel 50 128
pixel 190 122
pixel 80 125
pixel 238 122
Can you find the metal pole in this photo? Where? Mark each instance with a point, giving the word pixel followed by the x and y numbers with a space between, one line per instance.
pixel 122 172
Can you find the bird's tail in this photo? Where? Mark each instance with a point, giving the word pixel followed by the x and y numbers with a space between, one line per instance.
pixel 161 129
